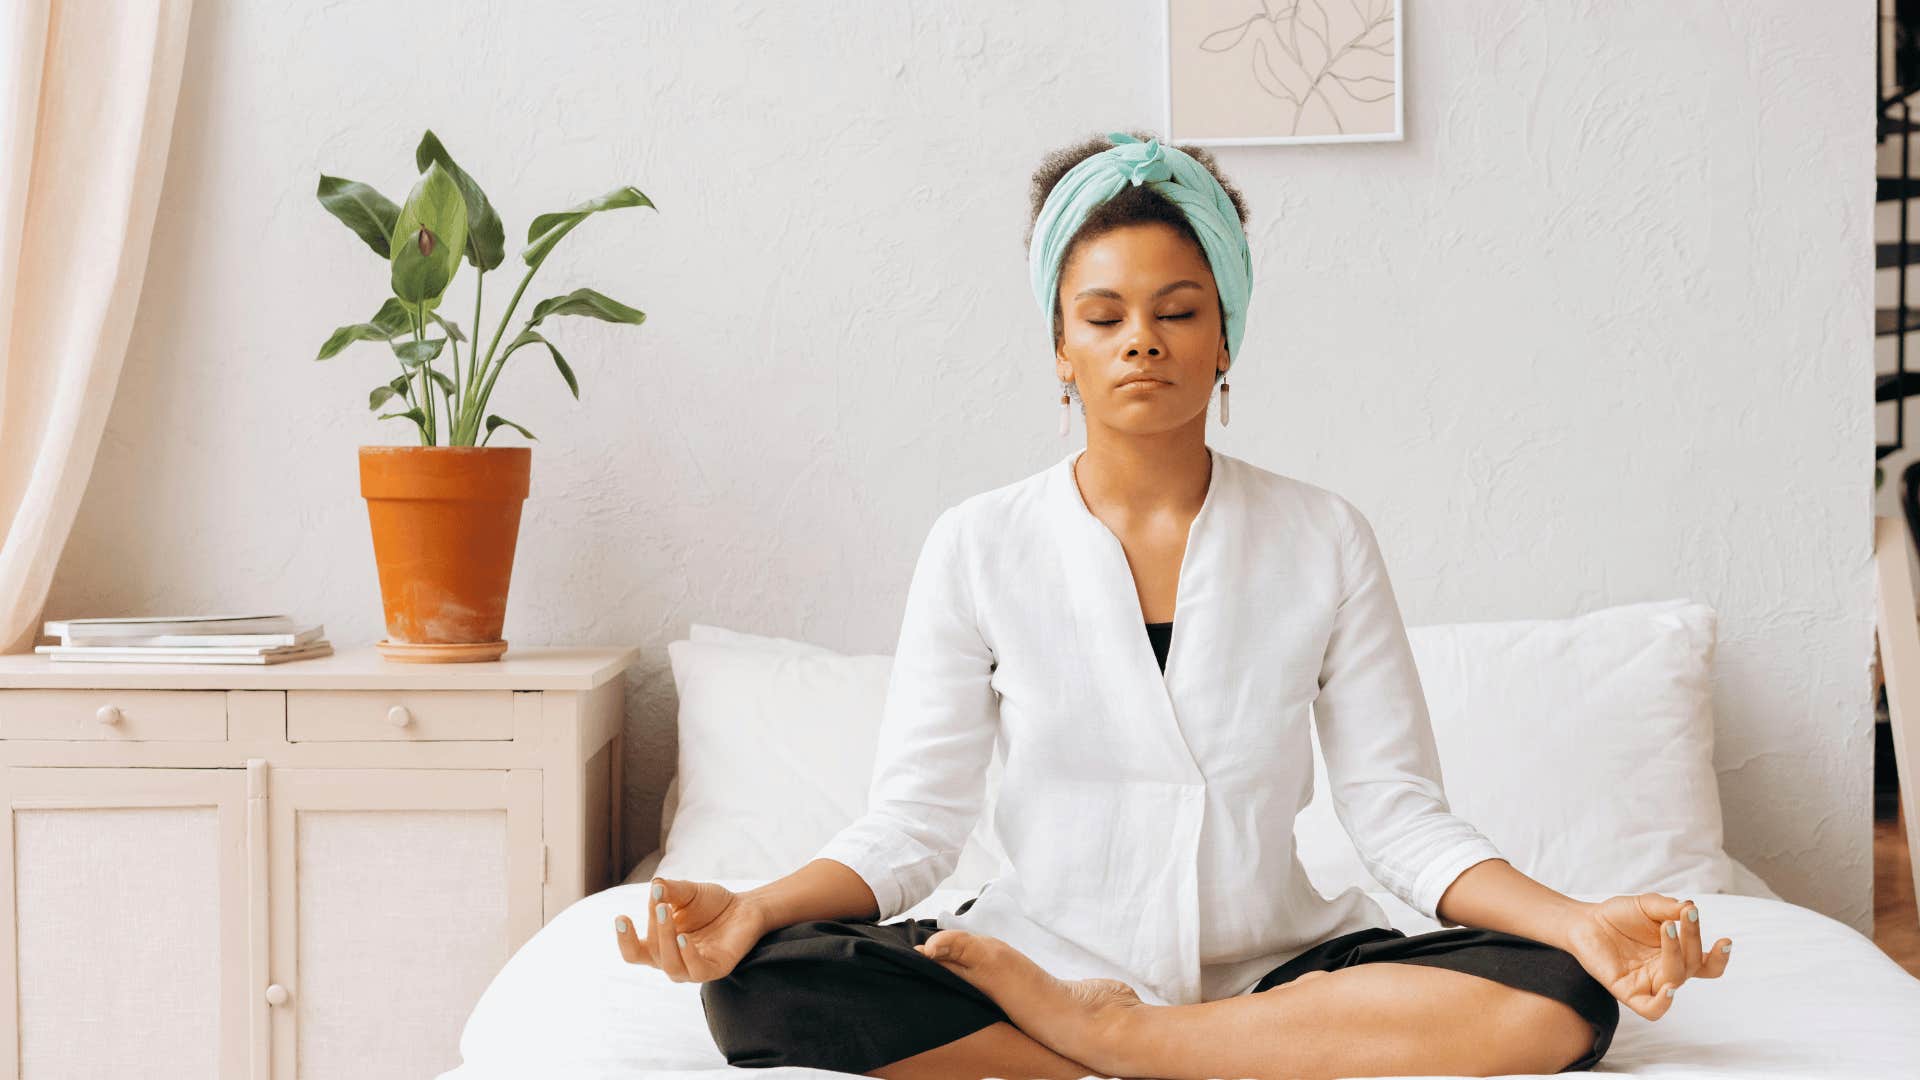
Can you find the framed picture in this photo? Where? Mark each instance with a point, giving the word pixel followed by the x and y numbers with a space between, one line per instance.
pixel 1260 72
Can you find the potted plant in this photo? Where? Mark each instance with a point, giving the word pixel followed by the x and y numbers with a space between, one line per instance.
pixel 445 513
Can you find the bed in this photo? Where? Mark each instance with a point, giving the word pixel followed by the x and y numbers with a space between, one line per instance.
pixel 776 744
pixel 1809 997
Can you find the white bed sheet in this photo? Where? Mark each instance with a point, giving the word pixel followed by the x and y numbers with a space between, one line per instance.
pixel 1806 996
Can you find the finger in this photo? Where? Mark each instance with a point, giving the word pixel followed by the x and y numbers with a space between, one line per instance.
pixel 1663 999
pixel 669 934
pixel 1717 959
pixel 1659 907
pixel 1673 965
pixel 678 893
pixel 688 912
pixel 630 948
pixel 654 953
pixel 1651 1006
pixel 1690 954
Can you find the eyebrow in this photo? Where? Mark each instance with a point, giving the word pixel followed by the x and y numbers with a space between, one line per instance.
pixel 1161 291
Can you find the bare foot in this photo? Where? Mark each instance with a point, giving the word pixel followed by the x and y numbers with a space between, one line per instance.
pixel 1075 1017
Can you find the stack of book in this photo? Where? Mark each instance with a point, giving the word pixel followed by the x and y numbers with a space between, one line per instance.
pixel 186 639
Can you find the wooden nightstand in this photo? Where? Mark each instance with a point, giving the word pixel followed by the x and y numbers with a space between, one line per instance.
pixel 308 869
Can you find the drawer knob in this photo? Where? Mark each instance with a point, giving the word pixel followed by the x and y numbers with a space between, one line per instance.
pixel 276 994
pixel 398 716
pixel 108 714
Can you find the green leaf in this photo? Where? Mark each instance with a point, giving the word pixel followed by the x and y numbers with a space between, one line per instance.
pixel 364 210
pixel 387 391
pixel 419 418
pixel 496 421
pixel 393 316
pixel 530 336
pixel 442 380
pixel 415 353
pixel 589 303
pixel 390 320
pixel 452 328
pixel 429 238
pixel 486 236
pixel 547 229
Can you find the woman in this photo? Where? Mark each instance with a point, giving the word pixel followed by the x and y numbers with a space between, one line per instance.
pixel 1152 919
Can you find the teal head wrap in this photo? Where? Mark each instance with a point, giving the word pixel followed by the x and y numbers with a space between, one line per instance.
pixel 1172 173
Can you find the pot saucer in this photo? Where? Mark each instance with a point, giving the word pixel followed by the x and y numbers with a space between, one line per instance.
pixel 465 652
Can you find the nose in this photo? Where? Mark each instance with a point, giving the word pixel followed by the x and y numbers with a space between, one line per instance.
pixel 1145 340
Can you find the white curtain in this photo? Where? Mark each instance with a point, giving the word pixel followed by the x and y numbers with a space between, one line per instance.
pixel 87 93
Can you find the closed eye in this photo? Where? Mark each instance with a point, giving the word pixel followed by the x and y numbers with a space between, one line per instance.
pixel 1110 322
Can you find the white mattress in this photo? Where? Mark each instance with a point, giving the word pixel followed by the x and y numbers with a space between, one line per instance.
pixel 1806 996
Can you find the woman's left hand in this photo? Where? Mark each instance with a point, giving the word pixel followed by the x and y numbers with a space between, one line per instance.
pixel 1625 943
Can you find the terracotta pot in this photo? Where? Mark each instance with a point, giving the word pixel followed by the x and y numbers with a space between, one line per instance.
pixel 445 521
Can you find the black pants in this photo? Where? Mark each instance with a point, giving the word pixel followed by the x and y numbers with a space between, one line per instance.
pixel 852 995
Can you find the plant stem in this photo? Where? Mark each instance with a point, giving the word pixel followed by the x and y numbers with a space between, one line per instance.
pixel 491 372
pixel 407 393
pixel 453 345
pixel 466 429
pixel 426 380
pixel 408 397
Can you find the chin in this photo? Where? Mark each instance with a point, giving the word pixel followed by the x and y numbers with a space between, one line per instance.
pixel 1153 417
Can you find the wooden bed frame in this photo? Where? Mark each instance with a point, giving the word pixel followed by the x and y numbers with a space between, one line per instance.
pixel 1899 638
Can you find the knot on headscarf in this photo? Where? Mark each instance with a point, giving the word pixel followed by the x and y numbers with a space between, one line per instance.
pixel 1175 175
pixel 1142 161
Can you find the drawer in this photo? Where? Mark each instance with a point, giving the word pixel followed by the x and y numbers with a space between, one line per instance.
pixel 135 715
pixel 398 715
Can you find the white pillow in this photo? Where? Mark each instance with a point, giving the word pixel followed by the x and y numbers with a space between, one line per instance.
pixel 1582 747
pixel 670 802
pixel 777 742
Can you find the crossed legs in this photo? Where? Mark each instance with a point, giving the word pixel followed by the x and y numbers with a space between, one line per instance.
pixel 1378 1019
pixel 995 1050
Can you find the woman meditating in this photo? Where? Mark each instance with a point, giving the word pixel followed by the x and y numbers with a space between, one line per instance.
pixel 1146 628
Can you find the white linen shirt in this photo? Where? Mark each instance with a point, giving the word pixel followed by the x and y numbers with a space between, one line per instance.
pixel 1147 817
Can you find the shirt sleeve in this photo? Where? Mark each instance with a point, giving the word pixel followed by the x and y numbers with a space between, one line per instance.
pixel 935 741
pixel 1383 767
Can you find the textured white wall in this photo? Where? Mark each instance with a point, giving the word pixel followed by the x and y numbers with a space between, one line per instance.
pixel 1596 332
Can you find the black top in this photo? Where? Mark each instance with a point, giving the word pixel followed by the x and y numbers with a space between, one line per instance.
pixel 1161 634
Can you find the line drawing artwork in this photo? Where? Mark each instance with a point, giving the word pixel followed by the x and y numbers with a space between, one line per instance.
pixel 1286 71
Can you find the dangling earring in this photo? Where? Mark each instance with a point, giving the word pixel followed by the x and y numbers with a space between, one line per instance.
pixel 1223 401
pixel 1066 411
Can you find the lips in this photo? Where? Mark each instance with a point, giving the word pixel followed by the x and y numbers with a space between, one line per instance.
pixel 1142 379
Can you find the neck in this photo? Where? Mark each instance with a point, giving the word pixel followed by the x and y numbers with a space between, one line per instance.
pixel 1133 474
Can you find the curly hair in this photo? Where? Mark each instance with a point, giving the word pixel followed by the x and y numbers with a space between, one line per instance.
pixel 1134 205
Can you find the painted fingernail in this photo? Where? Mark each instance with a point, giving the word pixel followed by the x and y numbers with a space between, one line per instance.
pixel 1669 991
pixel 682 939
pixel 1727 948
pixel 659 891
pixel 620 924
pixel 1693 914
pixel 661 911
pixel 1673 929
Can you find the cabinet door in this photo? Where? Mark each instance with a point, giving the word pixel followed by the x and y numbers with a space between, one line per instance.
pixel 395 896
pixel 124 917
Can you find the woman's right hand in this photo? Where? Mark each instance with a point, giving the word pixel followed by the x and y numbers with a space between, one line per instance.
pixel 696 930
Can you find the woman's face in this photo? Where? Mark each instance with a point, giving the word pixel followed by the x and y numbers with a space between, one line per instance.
pixel 1140 301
